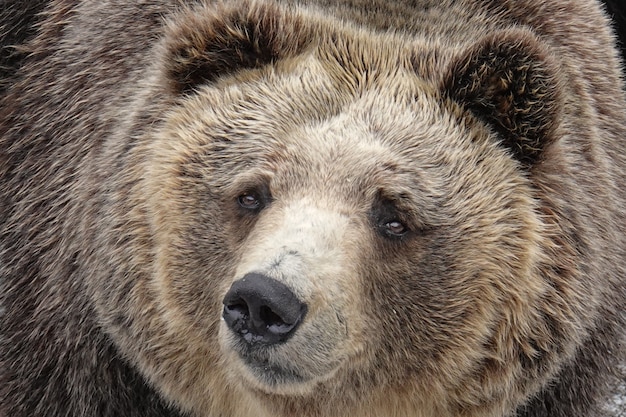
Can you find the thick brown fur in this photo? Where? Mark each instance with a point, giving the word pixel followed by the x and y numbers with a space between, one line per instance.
pixel 441 182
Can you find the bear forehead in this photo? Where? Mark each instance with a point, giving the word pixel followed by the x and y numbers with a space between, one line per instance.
pixel 373 146
pixel 353 112
pixel 298 101
pixel 312 130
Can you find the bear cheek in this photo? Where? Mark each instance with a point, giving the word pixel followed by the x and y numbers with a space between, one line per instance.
pixel 303 250
pixel 418 310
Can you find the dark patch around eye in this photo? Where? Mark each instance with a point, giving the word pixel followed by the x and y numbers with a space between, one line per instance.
pixel 388 220
pixel 253 200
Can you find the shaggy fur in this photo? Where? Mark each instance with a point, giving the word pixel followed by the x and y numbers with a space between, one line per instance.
pixel 441 182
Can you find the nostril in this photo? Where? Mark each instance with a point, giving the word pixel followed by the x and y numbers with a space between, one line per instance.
pixel 262 309
pixel 272 320
pixel 238 310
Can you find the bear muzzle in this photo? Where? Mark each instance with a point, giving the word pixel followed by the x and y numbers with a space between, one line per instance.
pixel 284 326
pixel 262 310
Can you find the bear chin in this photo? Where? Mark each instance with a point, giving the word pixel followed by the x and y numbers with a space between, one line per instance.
pixel 270 369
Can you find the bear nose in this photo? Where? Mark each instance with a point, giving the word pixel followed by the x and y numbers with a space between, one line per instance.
pixel 261 309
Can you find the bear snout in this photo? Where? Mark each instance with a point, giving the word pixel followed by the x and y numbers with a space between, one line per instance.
pixel 260 309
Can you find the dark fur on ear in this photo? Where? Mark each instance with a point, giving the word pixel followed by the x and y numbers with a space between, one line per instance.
pixel 509 81
pixel 243 35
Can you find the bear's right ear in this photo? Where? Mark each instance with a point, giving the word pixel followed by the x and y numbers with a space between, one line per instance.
pixel 203 45
pixel 510 81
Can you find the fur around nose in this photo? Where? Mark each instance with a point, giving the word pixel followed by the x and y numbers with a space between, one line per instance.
pixel 261 309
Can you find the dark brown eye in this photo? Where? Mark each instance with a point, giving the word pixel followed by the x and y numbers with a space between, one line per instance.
pixel 395 228
pixel 250 201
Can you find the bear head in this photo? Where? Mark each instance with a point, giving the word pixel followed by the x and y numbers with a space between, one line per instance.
pixel 334 219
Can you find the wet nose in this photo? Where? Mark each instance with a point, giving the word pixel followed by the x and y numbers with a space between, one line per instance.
pixel 261 309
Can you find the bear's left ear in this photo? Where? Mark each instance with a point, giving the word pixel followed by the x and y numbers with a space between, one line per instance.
pixel 212 41
pixel 509 81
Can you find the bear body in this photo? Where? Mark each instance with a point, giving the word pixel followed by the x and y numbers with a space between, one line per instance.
pixel 330 209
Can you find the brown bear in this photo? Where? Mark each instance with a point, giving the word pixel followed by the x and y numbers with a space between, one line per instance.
pixel 258 208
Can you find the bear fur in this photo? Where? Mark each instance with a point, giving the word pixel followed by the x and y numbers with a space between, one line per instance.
pixel 440 184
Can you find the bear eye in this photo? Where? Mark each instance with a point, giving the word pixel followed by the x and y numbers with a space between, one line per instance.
pixel 388 219
pixel 395 228
pixel 250 201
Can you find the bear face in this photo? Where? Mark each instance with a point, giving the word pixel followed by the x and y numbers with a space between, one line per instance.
pixel 274 212
pixel 331 167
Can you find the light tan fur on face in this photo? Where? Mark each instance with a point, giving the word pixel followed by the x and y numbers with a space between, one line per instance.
pixel 321 213
pixel 347 132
